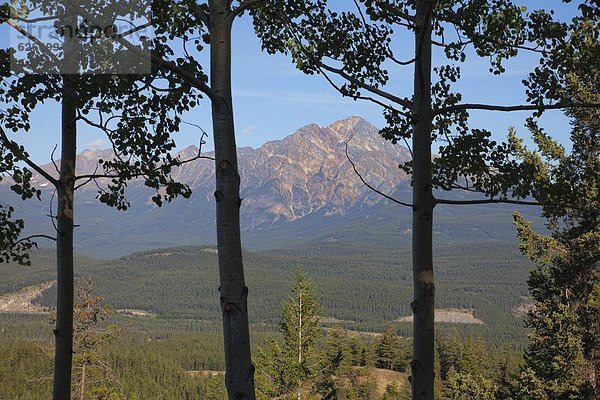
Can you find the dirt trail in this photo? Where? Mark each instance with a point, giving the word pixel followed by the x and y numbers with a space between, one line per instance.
pixel 21 300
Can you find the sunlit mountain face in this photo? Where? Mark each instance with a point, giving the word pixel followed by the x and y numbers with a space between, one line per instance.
pixel 296 190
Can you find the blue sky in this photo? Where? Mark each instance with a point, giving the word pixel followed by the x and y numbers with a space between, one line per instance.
pixel 272 99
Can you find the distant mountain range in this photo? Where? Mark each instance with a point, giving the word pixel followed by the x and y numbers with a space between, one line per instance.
pixel 295 191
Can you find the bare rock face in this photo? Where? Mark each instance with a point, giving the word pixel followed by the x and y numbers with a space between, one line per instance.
pixel 285 180
pixel 309 171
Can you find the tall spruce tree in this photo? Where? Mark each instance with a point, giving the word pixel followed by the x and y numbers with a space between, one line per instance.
pixel 392 351
pixel 289 369
pixel 355 48
pixel 565 283
pixel 562 359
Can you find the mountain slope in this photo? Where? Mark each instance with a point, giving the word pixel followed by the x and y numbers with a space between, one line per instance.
pixel 363 287
pixel 296 191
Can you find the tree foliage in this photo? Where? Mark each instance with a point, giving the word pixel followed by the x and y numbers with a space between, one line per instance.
pixel 288 368
pixel 138 114
pixel 562 354
pixel 93 377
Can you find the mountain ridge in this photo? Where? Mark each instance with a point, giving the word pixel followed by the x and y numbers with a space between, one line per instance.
pixel 297 191
pixel 290 178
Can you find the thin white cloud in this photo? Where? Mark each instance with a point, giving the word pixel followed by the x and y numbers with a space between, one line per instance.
pixel 96 144
pixel 249 129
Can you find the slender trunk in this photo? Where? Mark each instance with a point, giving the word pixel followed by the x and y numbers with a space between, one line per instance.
pixel 64 248
pixel 63 334
pixel 82 384
pixel 300 328
pixel 422 365
pixel 234 293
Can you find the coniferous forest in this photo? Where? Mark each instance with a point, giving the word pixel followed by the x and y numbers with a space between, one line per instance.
pixel 451 253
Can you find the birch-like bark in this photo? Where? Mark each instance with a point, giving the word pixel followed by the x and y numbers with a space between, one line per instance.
pixel 63 334
pixel 234 293
pixel 423 305
pixel 64 247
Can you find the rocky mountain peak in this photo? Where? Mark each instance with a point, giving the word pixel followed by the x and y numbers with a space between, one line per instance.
pixel 352 124
pixel 304 173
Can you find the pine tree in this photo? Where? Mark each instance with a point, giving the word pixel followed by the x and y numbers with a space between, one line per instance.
pixel 462 386
pixel 556 352
pixel 92 370
pixel 473 359
pixel 289 369
pixel 562 360
pixel 392 351
pixel 450 353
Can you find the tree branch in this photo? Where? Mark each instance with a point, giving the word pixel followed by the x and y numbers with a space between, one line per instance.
pixel 187 76
pixel 488 201
pixel 40 19
pixel 201 12
pixel 137 175
pixel 365 182
pixel 243 7
pixel 458 26
pixel 14 148
pixel 402 102
pixel 374 90
pixel 523 107
pixel 136 29
pixel 505 201
pixel 356 97
pixel 399 62
pixel 34 39
pixel 35 237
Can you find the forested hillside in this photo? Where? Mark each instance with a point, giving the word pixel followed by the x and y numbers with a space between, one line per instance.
pixel 172 359
pixel 298 253
pixel 359 287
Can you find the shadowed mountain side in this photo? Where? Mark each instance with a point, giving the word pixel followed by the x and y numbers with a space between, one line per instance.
pixel 297 191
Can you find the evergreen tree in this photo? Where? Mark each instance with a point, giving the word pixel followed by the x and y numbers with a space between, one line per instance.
pixel 289 369
pixel 557 351
pixel 473 359
pixel 392 351
pixel 507 372
pixel 450 350
pixel 93 374
pixel 460 386
pixel 391 393
pixel 562 361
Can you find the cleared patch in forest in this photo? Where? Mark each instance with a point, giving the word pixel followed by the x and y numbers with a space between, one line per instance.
pixel 135 313
pixel 21 301
pixel 450 316
pixel 204 373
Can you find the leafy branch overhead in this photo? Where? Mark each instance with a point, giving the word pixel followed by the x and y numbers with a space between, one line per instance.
pixel 139 114
pixel 356 48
